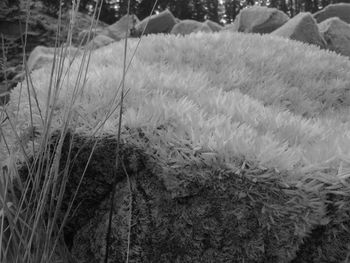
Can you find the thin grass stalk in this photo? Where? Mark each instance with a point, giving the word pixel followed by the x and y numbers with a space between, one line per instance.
pixel 66 171
pixel 117 161
pixel 24 62
pixel 48 117
pixel 114 99
pixel 130 213
pixel 75 193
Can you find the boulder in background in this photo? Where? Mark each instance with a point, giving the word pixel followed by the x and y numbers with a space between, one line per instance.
pixel 118 30
pixel 230 27
pixel 115 31
pixel 189 26
pixel 341 10
pixel 159 23
pixel 302 28
pixel 258 19
pixel 41 56
pixel 42 30
pixel 215 27
pixel 100 41
pixel 337 35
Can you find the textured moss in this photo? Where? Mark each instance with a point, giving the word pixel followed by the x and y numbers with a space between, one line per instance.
pixel 193 212
pixel 200 214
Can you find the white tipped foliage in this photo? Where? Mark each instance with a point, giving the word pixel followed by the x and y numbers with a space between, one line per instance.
pixel 259 98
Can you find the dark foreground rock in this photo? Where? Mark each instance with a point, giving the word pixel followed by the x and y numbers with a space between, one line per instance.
pixel 193 212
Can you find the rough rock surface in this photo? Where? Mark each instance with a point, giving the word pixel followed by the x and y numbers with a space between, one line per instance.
pixel 188 26
pixel 337 35
pixel 41 32
pixel 302 28
pixel 180 214
pixel 341 10
pixel 259 19
pixel 159 23
pixel 230 28
pixel 215 27
pixel 115 31
pixel 41 56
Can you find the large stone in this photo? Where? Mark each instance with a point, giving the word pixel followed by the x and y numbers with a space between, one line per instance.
pixel 86 35
pixel 302 28
pixel 100 41
pixel 116 31
pixel 41 56
pixel 259 19
pixel 341 10
pixel 186 214
pixel 159 23
pixel 230 28
pixel 337 35
pixel 215 27
pixel 188 26
pixel 42 30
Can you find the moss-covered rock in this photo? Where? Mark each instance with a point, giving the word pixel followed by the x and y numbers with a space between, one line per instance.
pixel 192 213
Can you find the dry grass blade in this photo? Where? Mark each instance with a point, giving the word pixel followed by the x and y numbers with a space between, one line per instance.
pixel 29 236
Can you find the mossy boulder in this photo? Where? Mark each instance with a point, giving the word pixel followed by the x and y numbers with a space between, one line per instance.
pixel 185 213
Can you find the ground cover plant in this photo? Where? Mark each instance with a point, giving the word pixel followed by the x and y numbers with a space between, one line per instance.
pixel 259 108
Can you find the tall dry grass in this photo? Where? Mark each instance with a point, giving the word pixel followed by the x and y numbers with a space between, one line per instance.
pixel 31 224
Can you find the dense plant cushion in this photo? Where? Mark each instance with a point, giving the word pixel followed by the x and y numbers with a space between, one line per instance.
pixel 264 116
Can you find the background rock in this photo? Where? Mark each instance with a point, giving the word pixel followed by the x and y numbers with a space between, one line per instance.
pixel 302 28
pixel 258 19
pixel 188 26
pixel 160 23
pixel 115 31
pixel 337 35
pixel 341 10
pixel 215 27
pixel 41 32
pixel 100 41
pixel 41 56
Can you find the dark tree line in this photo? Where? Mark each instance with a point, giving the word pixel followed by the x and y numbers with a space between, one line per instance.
pixel 200 10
